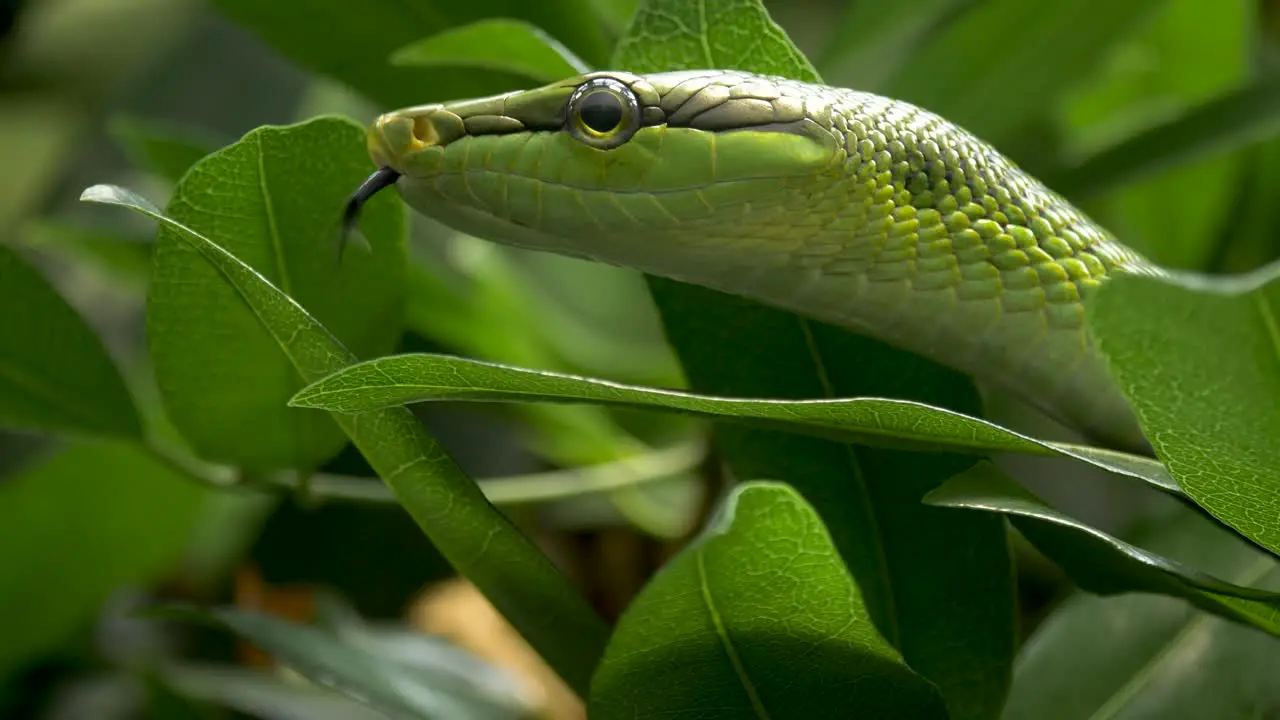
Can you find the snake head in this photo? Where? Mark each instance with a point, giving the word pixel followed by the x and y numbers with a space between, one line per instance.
pixel 651 171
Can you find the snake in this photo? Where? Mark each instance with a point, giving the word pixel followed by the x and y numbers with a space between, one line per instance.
pixel 842 206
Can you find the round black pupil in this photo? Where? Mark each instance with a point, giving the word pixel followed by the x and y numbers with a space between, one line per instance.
pixel 601 111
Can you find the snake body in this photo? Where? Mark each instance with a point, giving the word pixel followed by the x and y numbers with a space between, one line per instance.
pixel 842 206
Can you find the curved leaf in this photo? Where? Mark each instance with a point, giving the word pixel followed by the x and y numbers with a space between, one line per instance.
pixel 223 378
pixel 500 44
pixel 757 617
pixel 1098 562
pixel 1199 360
pixel 878 422
pixel 521 582
pixel 55 375
pixel 1143 657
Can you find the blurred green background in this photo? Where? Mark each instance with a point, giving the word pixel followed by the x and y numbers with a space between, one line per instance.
pixel 118 90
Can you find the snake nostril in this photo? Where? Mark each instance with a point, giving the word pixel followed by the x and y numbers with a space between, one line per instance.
pixel 424 131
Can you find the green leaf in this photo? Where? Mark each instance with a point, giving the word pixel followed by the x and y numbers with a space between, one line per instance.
pixel 1199 360
pixel 757 617
pixel 352 43
pixel 722 34
pixel 55 375
pixel 123 257
pixel 1230 121
pixel 162 148
pixel 458 684
pixel 480 542
pixel 1098 562
pixel 874 421
pixel 500 44
pixel 77 526
pixel 1013 59
pixel 260 695
pixel 1143 657
pixel 907 558
pixel 273 200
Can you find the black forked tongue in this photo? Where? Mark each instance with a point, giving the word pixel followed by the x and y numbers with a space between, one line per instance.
pixel 380 180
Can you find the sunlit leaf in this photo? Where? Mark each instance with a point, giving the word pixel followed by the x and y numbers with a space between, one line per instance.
pixel 757 617
pixel 510 46
pixel 1199 359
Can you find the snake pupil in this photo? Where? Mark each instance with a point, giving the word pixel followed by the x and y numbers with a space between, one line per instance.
pixel 601 111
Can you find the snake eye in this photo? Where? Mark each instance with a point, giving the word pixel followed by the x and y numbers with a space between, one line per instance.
pixel 603 113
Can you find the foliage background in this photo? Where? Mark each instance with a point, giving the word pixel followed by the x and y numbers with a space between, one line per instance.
pixel 118 90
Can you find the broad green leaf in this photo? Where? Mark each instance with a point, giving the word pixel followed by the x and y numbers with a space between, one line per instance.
pixel 55 375
pixel 1193 51
pixel 1144 657
pixel 273 200
pixel 480 542
pixel 162 148
pixel 120 255
pixel 878 422
pixel 1199 360
pixel 457 686
pixel 75 527
pixel 722 34
pixel 352 43
pixel 500 44
pixel 1004 62
pixel 757 617
pixel 874 39
pixel 907 558
pixel 1098 562
pixel 259 695
pixel 1227 122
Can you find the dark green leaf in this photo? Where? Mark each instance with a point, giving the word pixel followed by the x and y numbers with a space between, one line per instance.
pixel 758 618
pixel 352 43
pixel 119 255
pixel 1199 359
pixel 458 686
pixel 880 422
pixel 77 526
pixel 1143 657
pixel 1233 120
pixel 55 375
pixel 164 149
pixel 1004 62
pixel 500 44
pixel 1098 562
pixel 273 200
pixel 907 558
pixel 521 582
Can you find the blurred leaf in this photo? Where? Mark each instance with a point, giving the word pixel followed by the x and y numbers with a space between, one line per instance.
pixel 352 43
pixel 757 617
pixel 273 199
pixel 124 258
pixel 1146 657
pixel 162 148
pixel 1199 360
pixel 55 375
pixel 878 422
pixel 615 14
pixel 259 695
pixel 1013 59
pixel 501 44
pixel 874 39
pixel 907 558
pixel 458 686
pixel 1228 122
pixel 1194 51
pixel 480 542
pixel 75 527
pixel 1098 562
pixel 36 135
